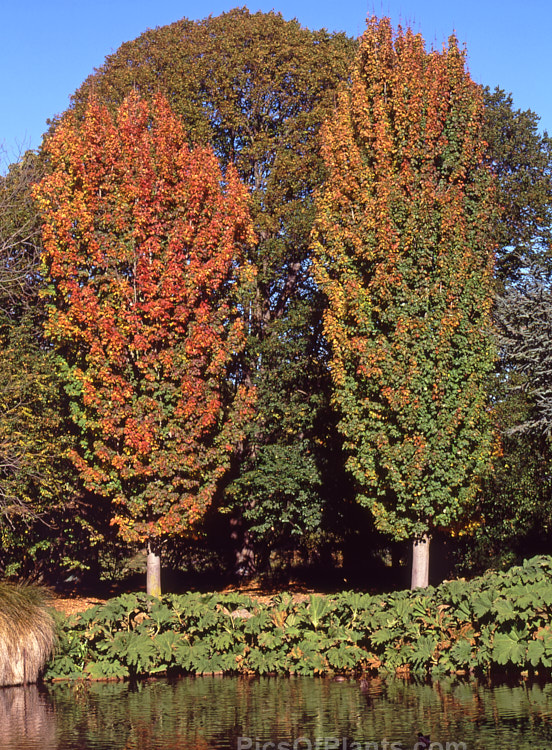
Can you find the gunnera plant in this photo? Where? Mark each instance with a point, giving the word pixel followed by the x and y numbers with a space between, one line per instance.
pixel 27 633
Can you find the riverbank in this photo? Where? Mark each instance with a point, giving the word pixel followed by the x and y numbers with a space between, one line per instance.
pixel 502 620
pixel 75 604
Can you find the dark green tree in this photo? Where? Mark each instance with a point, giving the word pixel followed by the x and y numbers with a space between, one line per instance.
pixel 521 159
pixel 257 88
pixel 515 519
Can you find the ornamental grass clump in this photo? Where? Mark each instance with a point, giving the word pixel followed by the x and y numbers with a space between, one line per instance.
pixel 27 633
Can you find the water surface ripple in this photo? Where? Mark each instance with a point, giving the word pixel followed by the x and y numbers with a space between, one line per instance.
pixel 271 713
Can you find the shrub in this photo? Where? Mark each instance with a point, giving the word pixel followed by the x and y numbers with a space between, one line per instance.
pixel 500 620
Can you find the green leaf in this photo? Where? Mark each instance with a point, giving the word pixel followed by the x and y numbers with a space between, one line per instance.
pixel 536 654
pixel 318 608
pixel 509 647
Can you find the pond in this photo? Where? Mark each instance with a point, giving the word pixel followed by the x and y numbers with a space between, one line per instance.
pixel 275 714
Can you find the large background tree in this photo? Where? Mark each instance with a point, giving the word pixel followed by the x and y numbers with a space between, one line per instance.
pixel 404 257
pixel 257 89
pixel 142 256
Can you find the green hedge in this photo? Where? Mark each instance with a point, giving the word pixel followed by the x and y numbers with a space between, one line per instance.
pixel 502 619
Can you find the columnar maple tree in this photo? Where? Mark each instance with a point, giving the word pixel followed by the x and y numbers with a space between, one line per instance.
pixel 143 242
pixel 404 257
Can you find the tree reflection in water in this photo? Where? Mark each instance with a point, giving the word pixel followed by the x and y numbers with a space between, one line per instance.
pixel 214 712
pixel 27 719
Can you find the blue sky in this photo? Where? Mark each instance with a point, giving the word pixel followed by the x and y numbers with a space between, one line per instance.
pixel 49 47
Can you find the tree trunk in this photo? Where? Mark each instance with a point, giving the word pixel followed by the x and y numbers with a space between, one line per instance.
pixel 153 572
pixel 420 562
pixel 244 554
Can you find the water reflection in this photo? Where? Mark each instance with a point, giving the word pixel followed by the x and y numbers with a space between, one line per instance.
pixel 27 719
pixel 238 713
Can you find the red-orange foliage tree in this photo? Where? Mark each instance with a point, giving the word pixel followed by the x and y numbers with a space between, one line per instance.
pixel 143 241
pixel 404 256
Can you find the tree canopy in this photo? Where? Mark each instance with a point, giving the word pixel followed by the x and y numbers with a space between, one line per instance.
pixel 406 274
pixel 256 88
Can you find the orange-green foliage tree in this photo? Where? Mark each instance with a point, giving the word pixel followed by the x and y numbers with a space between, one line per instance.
pixel 404 257
pixel 143 240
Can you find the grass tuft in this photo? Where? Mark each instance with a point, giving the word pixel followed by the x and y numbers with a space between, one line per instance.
pixel 27 633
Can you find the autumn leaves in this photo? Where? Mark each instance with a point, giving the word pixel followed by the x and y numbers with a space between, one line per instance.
pixel 148 256
pixel 404 257
pixel 143 250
